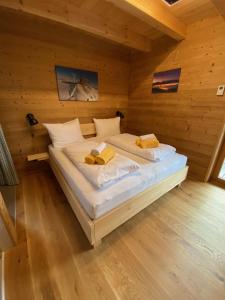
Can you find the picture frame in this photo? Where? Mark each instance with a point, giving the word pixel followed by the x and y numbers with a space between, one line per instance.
pixel 166 81
pixel 76 84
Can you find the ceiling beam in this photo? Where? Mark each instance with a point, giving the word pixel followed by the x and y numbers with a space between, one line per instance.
pixel 154 13
pixel 220 5
pixel 70 15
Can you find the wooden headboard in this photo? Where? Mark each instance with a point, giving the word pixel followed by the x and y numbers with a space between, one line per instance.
pixel 87 129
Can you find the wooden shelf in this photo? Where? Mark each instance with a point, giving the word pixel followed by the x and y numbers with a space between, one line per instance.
pixel 38 156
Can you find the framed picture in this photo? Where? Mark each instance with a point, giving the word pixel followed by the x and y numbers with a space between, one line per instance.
pixel 76 85
pixel 166 82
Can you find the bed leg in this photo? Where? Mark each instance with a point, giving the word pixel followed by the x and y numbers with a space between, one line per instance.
pixel 96 244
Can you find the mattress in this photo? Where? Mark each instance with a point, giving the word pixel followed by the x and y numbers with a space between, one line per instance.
pixel 97 202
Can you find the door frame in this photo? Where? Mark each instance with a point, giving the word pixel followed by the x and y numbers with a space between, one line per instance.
pixel 8 235
pixel 215 154
pixel 218 165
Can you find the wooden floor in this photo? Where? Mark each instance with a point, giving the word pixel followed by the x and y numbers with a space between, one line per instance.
pixel 175 249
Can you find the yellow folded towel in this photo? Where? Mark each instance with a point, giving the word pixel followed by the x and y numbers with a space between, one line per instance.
pixel 138 141
pixel 106 155
pixel 149 143
pixel 90 159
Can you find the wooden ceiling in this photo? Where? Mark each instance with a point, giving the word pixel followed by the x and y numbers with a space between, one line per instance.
pixel 220 5
pixel 191 11
pixel 133 23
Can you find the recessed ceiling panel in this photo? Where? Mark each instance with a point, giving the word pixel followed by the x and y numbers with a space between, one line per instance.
pixel 171 2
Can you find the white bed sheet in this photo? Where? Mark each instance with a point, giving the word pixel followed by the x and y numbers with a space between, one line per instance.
pixel 98 202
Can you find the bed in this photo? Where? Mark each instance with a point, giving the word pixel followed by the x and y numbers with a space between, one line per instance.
pixel 100 212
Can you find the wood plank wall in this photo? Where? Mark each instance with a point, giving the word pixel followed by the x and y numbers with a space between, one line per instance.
pixel 192 118
pixel 29 50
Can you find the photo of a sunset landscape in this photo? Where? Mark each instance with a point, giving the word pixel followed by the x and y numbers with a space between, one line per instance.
pixel 166 82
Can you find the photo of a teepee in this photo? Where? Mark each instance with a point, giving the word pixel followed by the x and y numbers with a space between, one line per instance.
pixel 76 85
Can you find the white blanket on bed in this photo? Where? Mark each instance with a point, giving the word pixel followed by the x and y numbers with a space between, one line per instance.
pixel 127 141
pixel 100 175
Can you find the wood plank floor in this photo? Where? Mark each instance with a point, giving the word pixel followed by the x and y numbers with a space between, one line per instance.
pixel 174 249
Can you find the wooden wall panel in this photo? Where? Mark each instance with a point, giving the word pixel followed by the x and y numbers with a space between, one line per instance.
pixel 192 118
pixel 29 51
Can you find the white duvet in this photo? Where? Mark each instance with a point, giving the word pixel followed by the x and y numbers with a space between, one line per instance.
pixel 127 141
pixel 100 175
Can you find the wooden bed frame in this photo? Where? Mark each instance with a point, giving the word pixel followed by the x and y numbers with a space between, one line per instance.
pixel 96 229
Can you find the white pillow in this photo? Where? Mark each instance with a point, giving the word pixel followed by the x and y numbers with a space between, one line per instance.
pixel 107 127
pixel 64 134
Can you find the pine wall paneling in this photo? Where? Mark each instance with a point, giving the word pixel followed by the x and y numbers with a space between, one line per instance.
pixel 29 50
pixel 192 118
